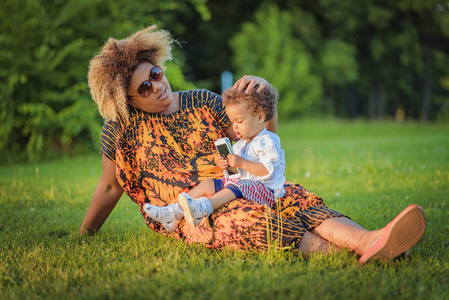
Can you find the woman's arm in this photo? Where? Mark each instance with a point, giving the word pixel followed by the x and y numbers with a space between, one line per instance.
pixel 272 125
pixel 105 197
pixel 229 131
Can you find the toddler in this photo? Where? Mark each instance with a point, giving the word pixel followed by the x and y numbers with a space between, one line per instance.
pixel 258 154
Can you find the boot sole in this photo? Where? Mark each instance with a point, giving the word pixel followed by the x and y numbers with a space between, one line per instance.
pixel 182 201
pixel 400 235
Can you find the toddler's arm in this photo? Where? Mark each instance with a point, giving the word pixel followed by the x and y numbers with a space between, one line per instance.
pixel 255 168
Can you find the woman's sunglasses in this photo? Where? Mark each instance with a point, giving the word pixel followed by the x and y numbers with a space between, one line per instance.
pixel 144 90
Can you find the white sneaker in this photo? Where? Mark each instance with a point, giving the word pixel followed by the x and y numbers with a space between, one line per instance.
pixel 194 210
pixel 169 216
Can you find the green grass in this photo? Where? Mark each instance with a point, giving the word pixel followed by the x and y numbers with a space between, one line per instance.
pixel 369 171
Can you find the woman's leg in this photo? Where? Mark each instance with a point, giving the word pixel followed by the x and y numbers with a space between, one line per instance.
pixel 312 243
pixel 398 236
pixel 345 233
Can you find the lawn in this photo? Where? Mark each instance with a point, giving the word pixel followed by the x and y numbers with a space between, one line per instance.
pixel 369 171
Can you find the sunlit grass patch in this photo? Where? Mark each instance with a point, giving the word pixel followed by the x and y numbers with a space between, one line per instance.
pixel 369 171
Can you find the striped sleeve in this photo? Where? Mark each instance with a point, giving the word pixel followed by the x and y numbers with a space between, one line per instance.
pixel 215 104
pixel 107 140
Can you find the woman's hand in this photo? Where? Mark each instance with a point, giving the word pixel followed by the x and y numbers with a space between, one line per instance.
pixel 248 82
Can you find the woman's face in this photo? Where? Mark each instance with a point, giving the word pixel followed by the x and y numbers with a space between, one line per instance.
pixel 161 96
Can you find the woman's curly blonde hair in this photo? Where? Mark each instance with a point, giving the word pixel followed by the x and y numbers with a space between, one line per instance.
pixel 259 102
pixel 111 70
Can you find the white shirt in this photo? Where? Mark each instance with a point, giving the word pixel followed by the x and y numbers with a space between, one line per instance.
pixel 265 148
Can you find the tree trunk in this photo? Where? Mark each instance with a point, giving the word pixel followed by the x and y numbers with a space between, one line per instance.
pixel 427 81
pixel 372 103
pixel 376 102
pixel 330 97
pixel 380 100
pixel 353 102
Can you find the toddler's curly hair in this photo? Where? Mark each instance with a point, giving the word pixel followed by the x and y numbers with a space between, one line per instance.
pixel 111 70
pixel 259 102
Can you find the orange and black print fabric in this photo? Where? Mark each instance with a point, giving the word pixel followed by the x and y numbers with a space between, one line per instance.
pixel 159 156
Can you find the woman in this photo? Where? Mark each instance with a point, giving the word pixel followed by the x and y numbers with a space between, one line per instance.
pixel 157 143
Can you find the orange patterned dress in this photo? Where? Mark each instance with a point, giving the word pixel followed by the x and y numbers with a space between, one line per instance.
pixel 159 156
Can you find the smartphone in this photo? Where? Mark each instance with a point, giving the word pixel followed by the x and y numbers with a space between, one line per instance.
pixel 224 148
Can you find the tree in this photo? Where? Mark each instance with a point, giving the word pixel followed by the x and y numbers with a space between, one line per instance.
pixel 46 47
pixel 395 42
pixel 268 47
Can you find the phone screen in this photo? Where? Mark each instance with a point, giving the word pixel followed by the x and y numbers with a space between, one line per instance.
pixel 224 151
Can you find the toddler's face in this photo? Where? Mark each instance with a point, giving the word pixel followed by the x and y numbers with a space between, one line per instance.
pixel 245 123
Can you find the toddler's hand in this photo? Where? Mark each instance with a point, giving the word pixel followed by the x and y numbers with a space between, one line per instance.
pixel 222 163
pixel 235 160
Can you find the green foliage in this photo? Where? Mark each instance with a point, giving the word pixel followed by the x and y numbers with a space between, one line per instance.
pixel 365 170
pixel 176 77
pixel 339 66
pixel 268 47
pixel 375 59
pixel 46 48
pixel 396 46
pixel 371 60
